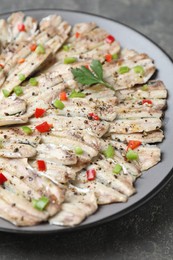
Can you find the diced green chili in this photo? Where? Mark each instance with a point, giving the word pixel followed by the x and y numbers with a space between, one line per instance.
pixel 66 47
pixel 6 93
pixel 40 49
pixel 131 155
pixel 69 60
pixel 58 104
pixel 145 87
pixel 33 82
pixel 115 56
pixel 78 150
pixel 18 90
pixel 21 77
pixel 109 152
pixel 117 168
pixel 75 94
pixel 27 130
pixel 139 69
pixel 123 70
pixel 41 203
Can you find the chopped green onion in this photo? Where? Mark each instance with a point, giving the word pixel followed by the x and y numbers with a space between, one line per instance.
pixel 40 49
pixel 75 94
pixel 41 203
pixel 117 169
pixel 66 47
pixel 69 60
pixel 33 82
pixel 131 155
pixel 6 93
pixel 21 77
pixel 27 130
pixel 18 90
pixel 115 56
pixel 109 152
pixel 58 104
pixel 123 70
pixel 139 69
pixel 145 87
pixel 78 150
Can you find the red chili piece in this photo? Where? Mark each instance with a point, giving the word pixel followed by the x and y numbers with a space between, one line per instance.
pixel 39 112
pixel 1 66
pixel 146 101
pixel 44 127
pixel 41 165
pixel 110 39
pixel 108 57
pixel 77 34
pixel 93 116
pixel 2 178
pixel 132 144
pixel 33 47
pixel 63 96
pixel 91 174
pixel 21 27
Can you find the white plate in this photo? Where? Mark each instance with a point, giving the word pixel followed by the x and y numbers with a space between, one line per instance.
pixel 152 180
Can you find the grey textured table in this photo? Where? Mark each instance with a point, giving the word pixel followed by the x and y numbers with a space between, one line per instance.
pixel 146 233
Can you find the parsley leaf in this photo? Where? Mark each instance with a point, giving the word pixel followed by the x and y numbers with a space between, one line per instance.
pixel 86 77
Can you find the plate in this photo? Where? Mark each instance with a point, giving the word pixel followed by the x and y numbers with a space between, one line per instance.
pixel 152 180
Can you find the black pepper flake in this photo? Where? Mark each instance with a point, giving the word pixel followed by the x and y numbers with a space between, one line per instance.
pixel 16 150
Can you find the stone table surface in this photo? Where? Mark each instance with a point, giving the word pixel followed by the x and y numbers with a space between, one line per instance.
pixel 146 233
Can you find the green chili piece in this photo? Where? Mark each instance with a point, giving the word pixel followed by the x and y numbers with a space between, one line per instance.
pixel 33 82
pixel 123 70
pixel 40 49
pixel 27 130
pixel 109 152
pixel 75 94
pixel 139 69
pixel 131 155
pixel 69 60
pixel 117 168
pixel 78 150
pixel 41 203
pixel 18 90
pixel 6 93
pixel 58 104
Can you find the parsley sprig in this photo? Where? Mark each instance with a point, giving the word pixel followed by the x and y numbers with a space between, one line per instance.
pixel 87 77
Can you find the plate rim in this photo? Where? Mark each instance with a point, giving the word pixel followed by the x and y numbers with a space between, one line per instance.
pixel 138 203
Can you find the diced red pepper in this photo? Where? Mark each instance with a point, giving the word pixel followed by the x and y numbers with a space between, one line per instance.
pixel 21 27
pixel 33 47
pixel 110 39
pixel 77 34
pixel 63 96
pixel 108 57
pixel 93 116
pixel 1 66
pixel 41 165
pixel 22 60
pixel 144 101
pixel 39 112
pixel 44 127
pixel 87 66
pixel 132 144
pixel 2 178
pixel 91 174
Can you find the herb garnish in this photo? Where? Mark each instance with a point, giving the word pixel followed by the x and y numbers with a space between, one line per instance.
pixel 86 77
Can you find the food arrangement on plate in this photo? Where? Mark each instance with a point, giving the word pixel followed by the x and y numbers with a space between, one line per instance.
pixel 79 120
